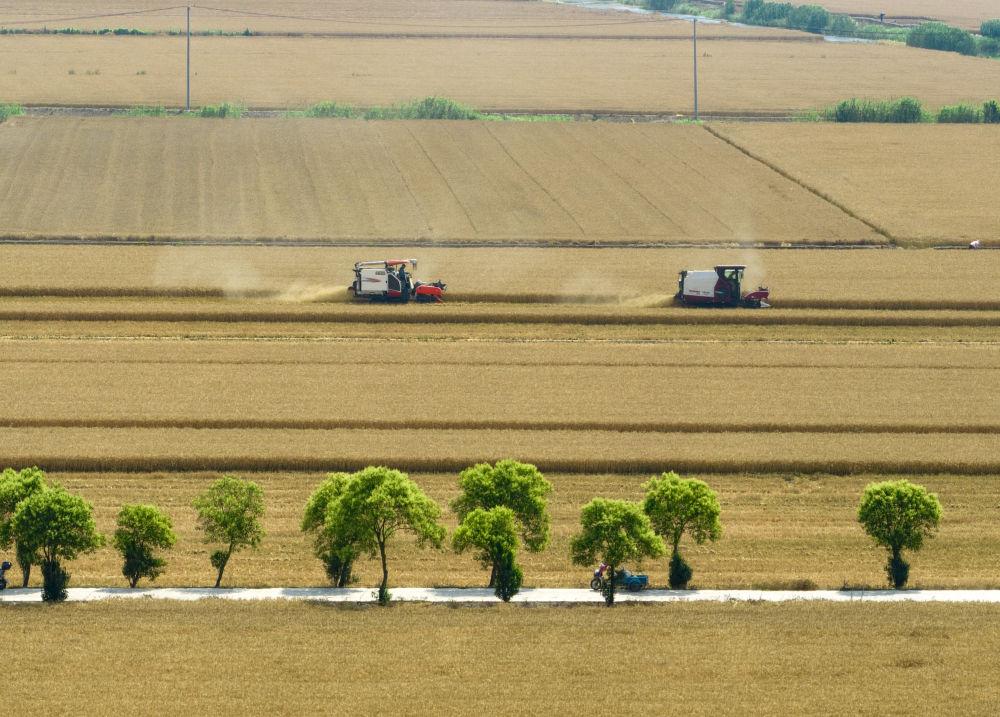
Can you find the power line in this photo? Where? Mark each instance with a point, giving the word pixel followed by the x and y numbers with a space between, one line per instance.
pixel 391 23
pixel 91 17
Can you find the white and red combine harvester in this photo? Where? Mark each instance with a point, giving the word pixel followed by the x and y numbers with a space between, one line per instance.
pixel 721 286
pixel 389 280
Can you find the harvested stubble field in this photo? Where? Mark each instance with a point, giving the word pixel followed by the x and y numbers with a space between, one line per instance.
pixel 780 530
pixel 802 279
pixel 578 75
pixel 400 181
pixel 924 182
pixel 805 658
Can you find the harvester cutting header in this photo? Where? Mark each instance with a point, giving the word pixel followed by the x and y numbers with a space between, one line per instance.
pixel 721 286
pixel 388 280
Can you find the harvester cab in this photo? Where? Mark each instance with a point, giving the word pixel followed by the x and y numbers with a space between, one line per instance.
pixel 389 280
pixel 721 286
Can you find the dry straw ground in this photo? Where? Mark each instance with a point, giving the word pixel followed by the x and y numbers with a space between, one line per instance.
pixel 922 182
pixel 398 181
pixel 780 531
pixel 422 659
pixel 739 76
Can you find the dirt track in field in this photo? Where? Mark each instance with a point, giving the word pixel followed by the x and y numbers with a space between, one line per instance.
pixel 449 181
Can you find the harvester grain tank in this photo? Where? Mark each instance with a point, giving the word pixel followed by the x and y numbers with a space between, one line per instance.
pixel 388 280
pixel 721 286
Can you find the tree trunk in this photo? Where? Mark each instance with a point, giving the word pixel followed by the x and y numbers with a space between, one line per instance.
pixel 383 591
pixel 222 566
pixel 609 599
pixel 133 581
pixel 493 574
pixel 23 562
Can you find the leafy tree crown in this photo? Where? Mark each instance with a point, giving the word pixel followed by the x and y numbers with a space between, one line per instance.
pixel 492 532
pixel 376 503
pixel 15 486
pixel 511 484
pixel 143 527
pixel 899 514
pixel 614 532
pixel 56 524
pixel 230 511
pixel 676 506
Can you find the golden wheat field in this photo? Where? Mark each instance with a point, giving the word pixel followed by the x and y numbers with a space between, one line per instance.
pixel 578 75
pixel 656 388
pixel 936 183
pixel 781 531
pixel 398 181
pixel 420 659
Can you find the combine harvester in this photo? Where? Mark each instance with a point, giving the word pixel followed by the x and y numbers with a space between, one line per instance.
pixel 389 280
pixel 721 286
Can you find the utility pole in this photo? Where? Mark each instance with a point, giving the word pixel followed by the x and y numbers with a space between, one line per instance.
pixel 694 39
pixel 188 103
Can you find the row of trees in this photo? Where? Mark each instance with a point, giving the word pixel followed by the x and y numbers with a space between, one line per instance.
pixel 500 508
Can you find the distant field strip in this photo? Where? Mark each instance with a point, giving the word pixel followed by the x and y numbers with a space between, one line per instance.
pixel 683 388
pixel 527 74
pixel 423 180
pixel 890 279
pixel 968 14
pixel 939 187
pixel 184 449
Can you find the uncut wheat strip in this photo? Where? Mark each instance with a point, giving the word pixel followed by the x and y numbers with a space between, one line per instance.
pixel 778 529
pixel 568 451
pixel 615 397
pixel 148 310
pixel 722 353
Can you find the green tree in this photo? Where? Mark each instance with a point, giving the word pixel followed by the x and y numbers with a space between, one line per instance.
pixel 614 532
pixel 56 526
pixel 229 512
pixel 376 504
pixel 509 484
pixel 338 559
pixel 493 535
pixel 676 506
pixel 142 529
pixel 898 515
pixel 15 486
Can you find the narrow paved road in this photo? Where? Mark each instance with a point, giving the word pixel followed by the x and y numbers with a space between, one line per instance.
pixel 532 595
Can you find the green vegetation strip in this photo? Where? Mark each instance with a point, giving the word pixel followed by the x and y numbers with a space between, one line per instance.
pixel 906 110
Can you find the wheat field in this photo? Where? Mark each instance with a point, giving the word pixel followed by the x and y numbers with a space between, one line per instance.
pixel 968 14
pixel 939 183
pixel 741 76
pixel 399 181
pixel 420 659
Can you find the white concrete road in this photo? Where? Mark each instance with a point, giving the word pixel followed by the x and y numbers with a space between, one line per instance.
pixel 552 596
